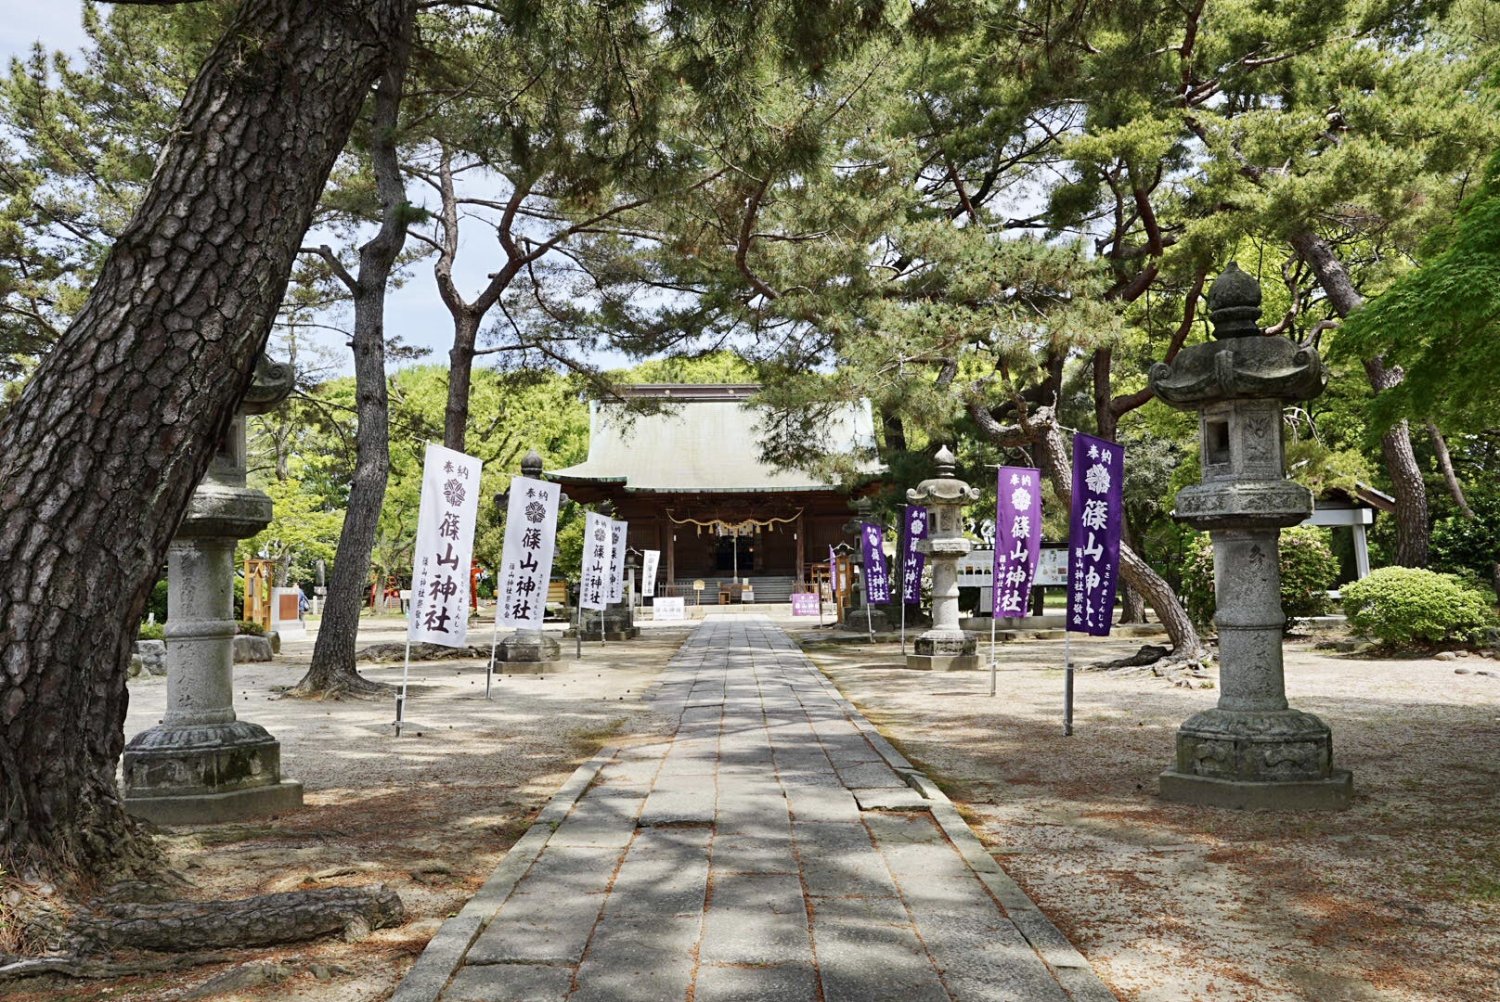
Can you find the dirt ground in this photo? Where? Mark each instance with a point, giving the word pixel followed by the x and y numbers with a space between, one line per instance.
pixel 1397 898
pixel 429 815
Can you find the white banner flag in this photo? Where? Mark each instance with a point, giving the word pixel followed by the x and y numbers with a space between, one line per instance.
pixel 445 544
pixel 526 561
pixel 648 572
pixel 617 532
pixel 598 560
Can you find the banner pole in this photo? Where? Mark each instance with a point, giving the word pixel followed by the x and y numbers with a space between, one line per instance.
pixel 489 671
pixel 1067 682
pixel 902 556
pixel 578 624
pixel 401 699
pixel 993 617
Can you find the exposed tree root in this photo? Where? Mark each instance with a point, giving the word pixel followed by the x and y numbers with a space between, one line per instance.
pixel 16 968
pixel 344 685
pixel 139 927
pixel 266 920
pixel 1185 669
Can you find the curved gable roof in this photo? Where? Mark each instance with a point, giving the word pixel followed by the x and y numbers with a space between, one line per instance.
pixel 709 442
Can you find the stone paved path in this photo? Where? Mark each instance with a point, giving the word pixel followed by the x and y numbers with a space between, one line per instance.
pixel 769 851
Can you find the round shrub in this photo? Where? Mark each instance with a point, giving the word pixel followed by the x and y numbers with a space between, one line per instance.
pixel 249 627
pixel 1308 570
pixel 1404 607
pixel 151 631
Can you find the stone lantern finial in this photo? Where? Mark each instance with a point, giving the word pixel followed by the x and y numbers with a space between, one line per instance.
pixel 531 465
pixel 1234 304
pixel 946 461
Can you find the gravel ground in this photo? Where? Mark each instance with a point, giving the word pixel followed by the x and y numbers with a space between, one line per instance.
pixel 1397 898
pixel 430 814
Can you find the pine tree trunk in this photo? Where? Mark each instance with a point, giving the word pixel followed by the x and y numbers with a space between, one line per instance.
pixel 1412 531
pixel 333 669
pixel 460 377
pixel 99 457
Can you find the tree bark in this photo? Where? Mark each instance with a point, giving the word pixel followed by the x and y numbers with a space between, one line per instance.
pixel 286 917
pixel 1412 531
pixel 1040 429
pixel 1132 606
pixel 460 379
pixel 99 457
pixel 1450 475
pixel 332 671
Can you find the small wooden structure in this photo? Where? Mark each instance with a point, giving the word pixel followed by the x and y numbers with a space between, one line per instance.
pixel 258 574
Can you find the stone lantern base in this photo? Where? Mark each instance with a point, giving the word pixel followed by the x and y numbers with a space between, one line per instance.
pixel 619 624
pixel 529 652
pixel 944 650
pixel 1257 760
pixel 857 619
pixel 206 774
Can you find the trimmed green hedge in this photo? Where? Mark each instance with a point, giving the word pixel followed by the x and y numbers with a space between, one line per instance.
pixel 1308 570
pixel 1406 607
pixel 151 631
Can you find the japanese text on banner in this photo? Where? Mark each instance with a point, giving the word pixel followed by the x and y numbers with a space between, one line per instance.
pixel 444 547
pixel 650 560
pixel 913 560
pixel 617 532
pixel 526 561
pixel 598 563
pixel 1018 539
pixel 1094 533
pixel 877 578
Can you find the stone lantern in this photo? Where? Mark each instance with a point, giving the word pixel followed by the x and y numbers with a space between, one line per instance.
pixel 202 764
pixel 860 613
pixel 1252 750
pixel 945 647
pixel 528 651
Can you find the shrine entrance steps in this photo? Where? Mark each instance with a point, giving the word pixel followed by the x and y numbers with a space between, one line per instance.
pixel 775 848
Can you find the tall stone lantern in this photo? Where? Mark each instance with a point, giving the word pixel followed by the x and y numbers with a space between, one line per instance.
pixel 945 647
pixel 202 764
pixel 528 651
pixel 1252 750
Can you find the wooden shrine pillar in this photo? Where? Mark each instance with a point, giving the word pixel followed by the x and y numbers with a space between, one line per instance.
pixel 671 554
pixel 801 530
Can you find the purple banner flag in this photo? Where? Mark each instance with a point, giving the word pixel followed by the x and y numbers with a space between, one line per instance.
pixel 912 561
pixel 1094 533
pixel 877 578
pixel 1018 539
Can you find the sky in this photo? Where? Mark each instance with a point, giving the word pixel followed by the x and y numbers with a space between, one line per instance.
pixel 413 311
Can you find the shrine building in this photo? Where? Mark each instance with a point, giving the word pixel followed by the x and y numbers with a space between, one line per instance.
pixel 691 482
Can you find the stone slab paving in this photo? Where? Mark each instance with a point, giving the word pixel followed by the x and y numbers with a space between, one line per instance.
pixel 776 848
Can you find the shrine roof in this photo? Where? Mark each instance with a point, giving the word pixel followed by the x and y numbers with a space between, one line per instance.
pixel 707 440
